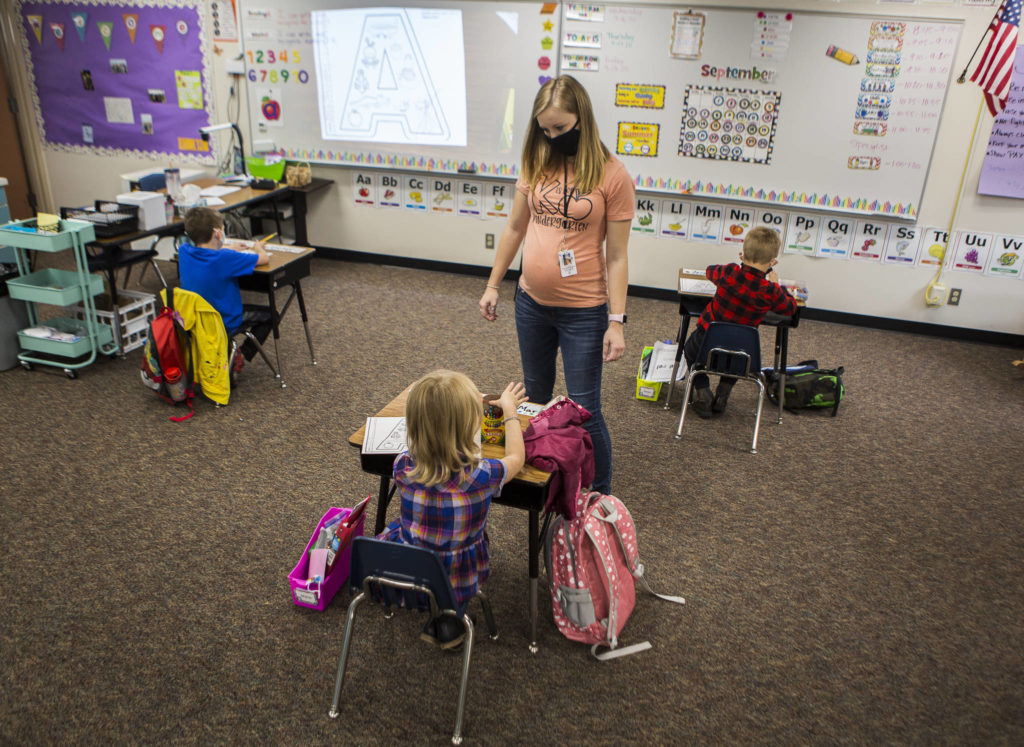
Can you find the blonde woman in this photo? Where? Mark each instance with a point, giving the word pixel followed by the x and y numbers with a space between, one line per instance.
pixel 572 211
pixel 446 486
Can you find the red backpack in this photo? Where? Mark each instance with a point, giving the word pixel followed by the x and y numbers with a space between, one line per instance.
pixel 167 360
pixel 593 564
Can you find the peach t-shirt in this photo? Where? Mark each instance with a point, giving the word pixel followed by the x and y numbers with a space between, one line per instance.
pixel 584 234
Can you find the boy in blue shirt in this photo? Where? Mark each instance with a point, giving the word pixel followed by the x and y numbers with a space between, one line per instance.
pixel 207 268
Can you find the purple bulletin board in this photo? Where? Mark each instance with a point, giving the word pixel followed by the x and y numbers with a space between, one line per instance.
pixel 119 77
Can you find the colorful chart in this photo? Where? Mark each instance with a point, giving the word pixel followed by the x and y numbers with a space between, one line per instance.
pixel 729 124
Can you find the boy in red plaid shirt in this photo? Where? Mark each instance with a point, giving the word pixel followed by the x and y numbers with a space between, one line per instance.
pixel 745 293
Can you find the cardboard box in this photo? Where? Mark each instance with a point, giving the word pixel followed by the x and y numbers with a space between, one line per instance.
pixel 152 210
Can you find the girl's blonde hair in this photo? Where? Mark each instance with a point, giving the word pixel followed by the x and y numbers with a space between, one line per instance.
pixel 566 93
pixel 443 414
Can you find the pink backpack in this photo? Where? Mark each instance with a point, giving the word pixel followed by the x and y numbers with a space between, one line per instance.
pixel 593 563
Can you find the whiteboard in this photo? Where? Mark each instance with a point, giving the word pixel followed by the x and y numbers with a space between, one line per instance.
pixel 433 86
pixel 746 105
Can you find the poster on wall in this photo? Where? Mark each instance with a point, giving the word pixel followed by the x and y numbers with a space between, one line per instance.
pixel 117 78
pixel 1002 171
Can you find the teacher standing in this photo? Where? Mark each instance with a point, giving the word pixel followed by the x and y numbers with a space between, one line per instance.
pixel 573 206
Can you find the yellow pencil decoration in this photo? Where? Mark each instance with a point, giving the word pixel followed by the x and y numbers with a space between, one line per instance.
pixel 842 55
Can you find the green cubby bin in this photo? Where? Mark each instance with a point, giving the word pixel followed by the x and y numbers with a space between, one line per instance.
pixel 82 346
pixel 54 287
pixel 47 242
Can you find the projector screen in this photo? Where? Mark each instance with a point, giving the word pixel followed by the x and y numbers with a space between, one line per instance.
pixel 391 75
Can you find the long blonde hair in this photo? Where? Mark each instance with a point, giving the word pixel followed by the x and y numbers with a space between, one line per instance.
pixel 566 93
pixel 443 414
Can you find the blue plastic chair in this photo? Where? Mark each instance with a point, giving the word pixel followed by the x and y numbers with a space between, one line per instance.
pixel 734 351
pixel 407 577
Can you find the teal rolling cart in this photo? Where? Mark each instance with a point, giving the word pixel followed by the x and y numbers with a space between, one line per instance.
pixel 73 343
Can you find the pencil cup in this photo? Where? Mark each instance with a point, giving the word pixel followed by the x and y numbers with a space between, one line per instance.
pixel 493 429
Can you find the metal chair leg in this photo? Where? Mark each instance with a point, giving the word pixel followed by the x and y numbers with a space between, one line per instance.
pixel 485 604
pixel 333 713
pixel 686 403
pixel 757 419
pixel 259 349
pixel 467 652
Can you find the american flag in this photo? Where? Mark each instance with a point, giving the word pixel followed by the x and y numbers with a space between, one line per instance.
pixel 996 66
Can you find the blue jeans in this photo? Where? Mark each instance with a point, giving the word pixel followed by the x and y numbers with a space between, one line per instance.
pixel 542 330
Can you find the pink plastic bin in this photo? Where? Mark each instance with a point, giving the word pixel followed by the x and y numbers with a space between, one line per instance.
pixel 318 596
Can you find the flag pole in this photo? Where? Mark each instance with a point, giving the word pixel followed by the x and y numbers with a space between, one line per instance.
pixel 935 291
pixel 963 75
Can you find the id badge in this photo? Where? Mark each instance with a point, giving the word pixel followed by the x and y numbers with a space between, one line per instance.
pixel 566 262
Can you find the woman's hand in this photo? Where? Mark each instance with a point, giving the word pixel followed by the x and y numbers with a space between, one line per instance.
pixel 510 399
pixel 489 304
pixel 614 342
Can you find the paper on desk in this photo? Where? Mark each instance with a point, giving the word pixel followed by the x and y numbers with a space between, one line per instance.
pixel 696 284
pixel 218 190
pixel 214 201
pixel 384 436
pixel 663 357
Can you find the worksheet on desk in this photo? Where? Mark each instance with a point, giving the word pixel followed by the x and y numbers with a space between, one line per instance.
pixel 696 285
pixel 384 436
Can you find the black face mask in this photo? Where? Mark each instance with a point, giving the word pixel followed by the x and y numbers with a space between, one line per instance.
pixel 568 142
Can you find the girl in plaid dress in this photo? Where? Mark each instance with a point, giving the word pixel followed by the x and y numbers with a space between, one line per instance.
pixel 446 485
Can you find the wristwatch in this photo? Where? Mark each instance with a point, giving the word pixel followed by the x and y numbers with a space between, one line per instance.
pixel 620 318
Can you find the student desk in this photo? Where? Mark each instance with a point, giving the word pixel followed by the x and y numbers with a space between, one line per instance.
pixel 527 491
pixel 692 304
pixel 285 269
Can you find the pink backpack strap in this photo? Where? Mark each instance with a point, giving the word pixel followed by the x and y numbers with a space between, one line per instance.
pixel 611 516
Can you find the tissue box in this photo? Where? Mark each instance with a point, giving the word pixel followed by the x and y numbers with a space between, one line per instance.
pixel 152 212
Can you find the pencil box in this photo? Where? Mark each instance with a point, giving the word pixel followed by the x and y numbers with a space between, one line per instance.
pixel 317 596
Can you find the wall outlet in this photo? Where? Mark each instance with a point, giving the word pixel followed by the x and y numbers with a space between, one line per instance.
pixel 488 241
pixel 954 297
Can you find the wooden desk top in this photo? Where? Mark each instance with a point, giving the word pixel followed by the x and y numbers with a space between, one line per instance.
pixel 280 259
pixel 691 274
pixel 396 409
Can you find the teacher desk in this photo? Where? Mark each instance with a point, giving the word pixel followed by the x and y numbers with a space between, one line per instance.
pixel 694 297
pixel 527 491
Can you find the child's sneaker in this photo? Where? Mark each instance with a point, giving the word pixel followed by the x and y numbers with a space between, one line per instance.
pixel 451 633
pixel 701 402
pixel 722 396
pixel 429 632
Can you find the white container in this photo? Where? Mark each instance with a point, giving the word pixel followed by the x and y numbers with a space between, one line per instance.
pixel 152 213
pixel 135 312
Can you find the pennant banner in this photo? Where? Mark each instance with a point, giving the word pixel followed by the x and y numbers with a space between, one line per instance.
pixel 36 22
pixel 158 33
pixel 106 32
pixel 58 34
pixel 131 22
pixel 79 20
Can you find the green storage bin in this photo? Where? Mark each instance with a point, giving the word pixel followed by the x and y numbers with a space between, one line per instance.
pixel 47 242
pixel 260 169
pixel 54 287
pixel 82 346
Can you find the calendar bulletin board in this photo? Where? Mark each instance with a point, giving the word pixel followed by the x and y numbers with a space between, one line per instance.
pixel 121 78
pixel 830 111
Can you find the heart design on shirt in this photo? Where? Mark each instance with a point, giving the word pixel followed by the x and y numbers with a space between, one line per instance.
pixel 549 200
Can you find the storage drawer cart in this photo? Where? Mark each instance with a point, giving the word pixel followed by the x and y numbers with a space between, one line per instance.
pixel 85 338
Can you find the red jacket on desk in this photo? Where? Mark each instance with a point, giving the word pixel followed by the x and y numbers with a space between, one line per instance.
pixel 557 442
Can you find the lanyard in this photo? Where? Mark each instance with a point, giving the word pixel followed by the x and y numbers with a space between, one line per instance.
pixel 565 195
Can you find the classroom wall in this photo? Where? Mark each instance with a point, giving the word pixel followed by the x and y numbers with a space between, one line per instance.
pixel 865 288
